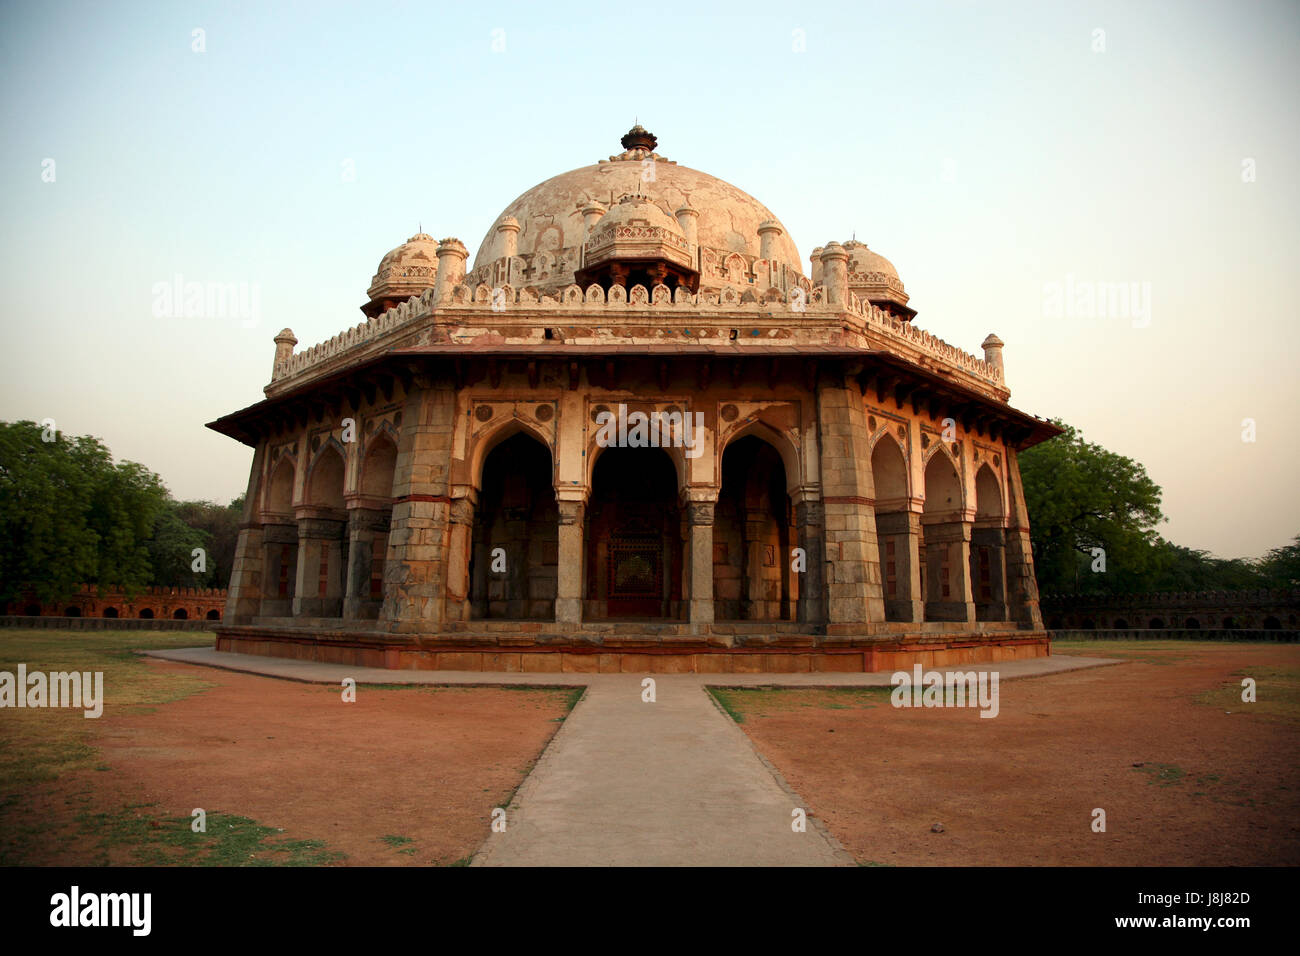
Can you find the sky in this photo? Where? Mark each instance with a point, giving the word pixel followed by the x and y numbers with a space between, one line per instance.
pixel 1016 162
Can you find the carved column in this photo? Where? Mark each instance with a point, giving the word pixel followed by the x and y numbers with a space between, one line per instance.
pixel 319 589
pixel 460 543
pixel 947 546
pixel 810 520
pixel 700 557
pixel 364 524
pixel 903 530
pixel 279 557
pixel 569 574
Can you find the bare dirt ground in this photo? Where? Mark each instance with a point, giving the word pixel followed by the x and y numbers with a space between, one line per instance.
pixel 1186 772
pixel 401 776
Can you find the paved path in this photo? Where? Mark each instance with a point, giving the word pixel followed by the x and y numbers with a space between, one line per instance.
pixel 627 782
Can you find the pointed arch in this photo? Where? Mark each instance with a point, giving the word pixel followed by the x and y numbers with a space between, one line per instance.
pixel 378 466
pixel 324 488
pixel 780 442
pixel 485 442
pixel 943 491
pixel 279 491
pixel 988 494
pixel 889 471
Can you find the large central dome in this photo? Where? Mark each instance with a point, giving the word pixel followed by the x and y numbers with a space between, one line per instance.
pixel 556 216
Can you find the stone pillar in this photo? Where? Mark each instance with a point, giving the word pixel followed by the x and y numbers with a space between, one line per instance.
pixel 835 275
pixel 320 541
pixel 768 233
pixel 700 558
pixel 509 233
pixel 460 545
pixel 854 595
pixel 993 541
pixel 244 596
pixel 415 570
pixel 284 343
pixel 816 273
pixel 904 529
pixel 276 538
pixel 1022 588
pixel 568 595
pixel 812 586
pixel 689 220
pixel 951 540
pixel 363 525
pixel 451 269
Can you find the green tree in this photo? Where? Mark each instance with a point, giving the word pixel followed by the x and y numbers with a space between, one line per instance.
pixel 1280 568
pixel 1080 497
pixel 69 515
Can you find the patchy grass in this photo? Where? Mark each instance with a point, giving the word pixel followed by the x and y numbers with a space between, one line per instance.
pixel 742 702
pixel 132 837
pixel 1277 693
pixel 1149 652
pixel 40 744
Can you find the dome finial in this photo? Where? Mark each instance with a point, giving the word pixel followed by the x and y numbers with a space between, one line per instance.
pixel 638 137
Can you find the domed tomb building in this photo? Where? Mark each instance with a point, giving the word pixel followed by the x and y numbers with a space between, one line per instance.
pixel 634 434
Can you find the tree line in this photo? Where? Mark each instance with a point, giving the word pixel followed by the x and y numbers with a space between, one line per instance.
pixel 1093 516
pixel 70 515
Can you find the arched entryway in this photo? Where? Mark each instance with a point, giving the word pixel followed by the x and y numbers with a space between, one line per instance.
pixel 514 556
pixel 279 541
pixel 988 565
pixel 322 537
pixel 752 536
pixel 897 532
pixel 946 543
pixel 634 537
pixel 370 514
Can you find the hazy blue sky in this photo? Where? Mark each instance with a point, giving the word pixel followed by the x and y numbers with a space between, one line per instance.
pixel 989 150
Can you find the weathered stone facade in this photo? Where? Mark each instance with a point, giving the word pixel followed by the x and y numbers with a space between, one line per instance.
pixel 439 485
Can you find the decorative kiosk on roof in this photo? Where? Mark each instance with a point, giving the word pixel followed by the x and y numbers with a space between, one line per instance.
pixel 635 435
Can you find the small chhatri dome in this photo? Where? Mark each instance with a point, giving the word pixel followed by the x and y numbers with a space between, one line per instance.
pixel 405 271
pixel 874 279
pixel 638 137
pixel 638 242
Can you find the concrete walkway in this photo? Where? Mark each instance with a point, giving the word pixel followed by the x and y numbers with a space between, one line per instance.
pixel 625 782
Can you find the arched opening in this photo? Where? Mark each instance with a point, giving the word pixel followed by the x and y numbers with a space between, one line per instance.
pixel 988 549
pixel 752 535
pixel 1156 623
pixel 1272 624
pixel 213 615
pixel 146 614
pixel 634 535
pixel 32 610
pixel 322 539
pixel 180 614
pixel 1088 624
pixel 72 612
pixel 1192 624
pixel 279 496
pixel 945 544
pixel 1230 623
pixel 110 612
pixel 898 533
pixel 369 522
pixel 279 542
pixel 1120 624
pixel 515 538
